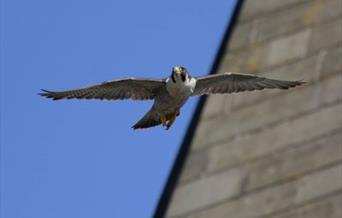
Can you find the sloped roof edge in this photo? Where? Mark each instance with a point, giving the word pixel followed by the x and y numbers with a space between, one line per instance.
pixel 178 165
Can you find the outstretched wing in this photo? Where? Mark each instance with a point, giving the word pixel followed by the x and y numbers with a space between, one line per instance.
pixel 234 82
pixel 131 88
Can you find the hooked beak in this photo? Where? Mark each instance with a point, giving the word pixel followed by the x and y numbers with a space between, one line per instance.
pixel 180 71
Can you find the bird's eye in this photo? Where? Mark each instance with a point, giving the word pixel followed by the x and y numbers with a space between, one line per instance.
pixel 173 77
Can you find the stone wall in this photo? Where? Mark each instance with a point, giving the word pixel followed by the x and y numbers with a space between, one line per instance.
pixel 272 153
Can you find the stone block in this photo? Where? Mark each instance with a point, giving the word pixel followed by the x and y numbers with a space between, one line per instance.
pixel 271 25
pixel 244 35
pixel 326 35
pixel 296 18
pixel 294 162
pixel 319 184
pixel 325 208
pixel 274 53
pixel 254 9
pixel 260 143
pixel 195 165
pixel 321 11
pixel 246 61
pixel 214 106
pixel 204 129
pixel 205 191
pixel 279 51
pixel 287 48
pixel 277 198
pixel 332 62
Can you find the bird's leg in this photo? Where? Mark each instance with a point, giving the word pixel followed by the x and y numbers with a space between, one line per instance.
pixel 172 119
pixel 163 119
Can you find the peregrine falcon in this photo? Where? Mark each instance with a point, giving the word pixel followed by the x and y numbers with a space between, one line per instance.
pixel 170 94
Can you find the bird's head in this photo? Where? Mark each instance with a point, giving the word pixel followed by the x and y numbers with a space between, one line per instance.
pixel 179 74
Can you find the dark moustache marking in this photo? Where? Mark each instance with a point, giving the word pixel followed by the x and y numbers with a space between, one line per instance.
pixel 173 77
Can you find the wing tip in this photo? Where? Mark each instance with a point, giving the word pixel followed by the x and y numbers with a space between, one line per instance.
pixel 293 84
pixel 301 82
pixel 48 94
pixel 43 92
pixel 298 83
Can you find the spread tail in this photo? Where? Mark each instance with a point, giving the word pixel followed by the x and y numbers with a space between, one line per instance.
pixel 150 119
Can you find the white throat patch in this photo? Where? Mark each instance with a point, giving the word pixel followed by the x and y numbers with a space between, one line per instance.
pixel 180 88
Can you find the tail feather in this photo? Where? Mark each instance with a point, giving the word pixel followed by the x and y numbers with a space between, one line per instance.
pixel 150 119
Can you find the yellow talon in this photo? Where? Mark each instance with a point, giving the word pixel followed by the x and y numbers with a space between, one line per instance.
pixel 171 120
pixel 163 119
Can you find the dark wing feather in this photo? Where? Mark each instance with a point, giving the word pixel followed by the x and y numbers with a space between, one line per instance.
pixel 131 88
pixel 234 82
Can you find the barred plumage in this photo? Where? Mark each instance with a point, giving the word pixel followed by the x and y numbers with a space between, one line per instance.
pixel 171 93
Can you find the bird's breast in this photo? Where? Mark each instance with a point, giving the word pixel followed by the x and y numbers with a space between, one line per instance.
pixel 181 89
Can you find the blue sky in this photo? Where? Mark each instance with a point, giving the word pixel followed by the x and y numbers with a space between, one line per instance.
pixel 81 158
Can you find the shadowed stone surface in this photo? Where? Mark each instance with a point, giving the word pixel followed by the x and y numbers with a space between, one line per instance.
pixel 272 153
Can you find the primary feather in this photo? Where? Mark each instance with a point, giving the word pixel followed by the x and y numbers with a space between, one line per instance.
pixel 234 82
pixel 131 88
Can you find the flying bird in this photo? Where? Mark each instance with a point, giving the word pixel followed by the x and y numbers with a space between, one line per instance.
pixel 170 94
